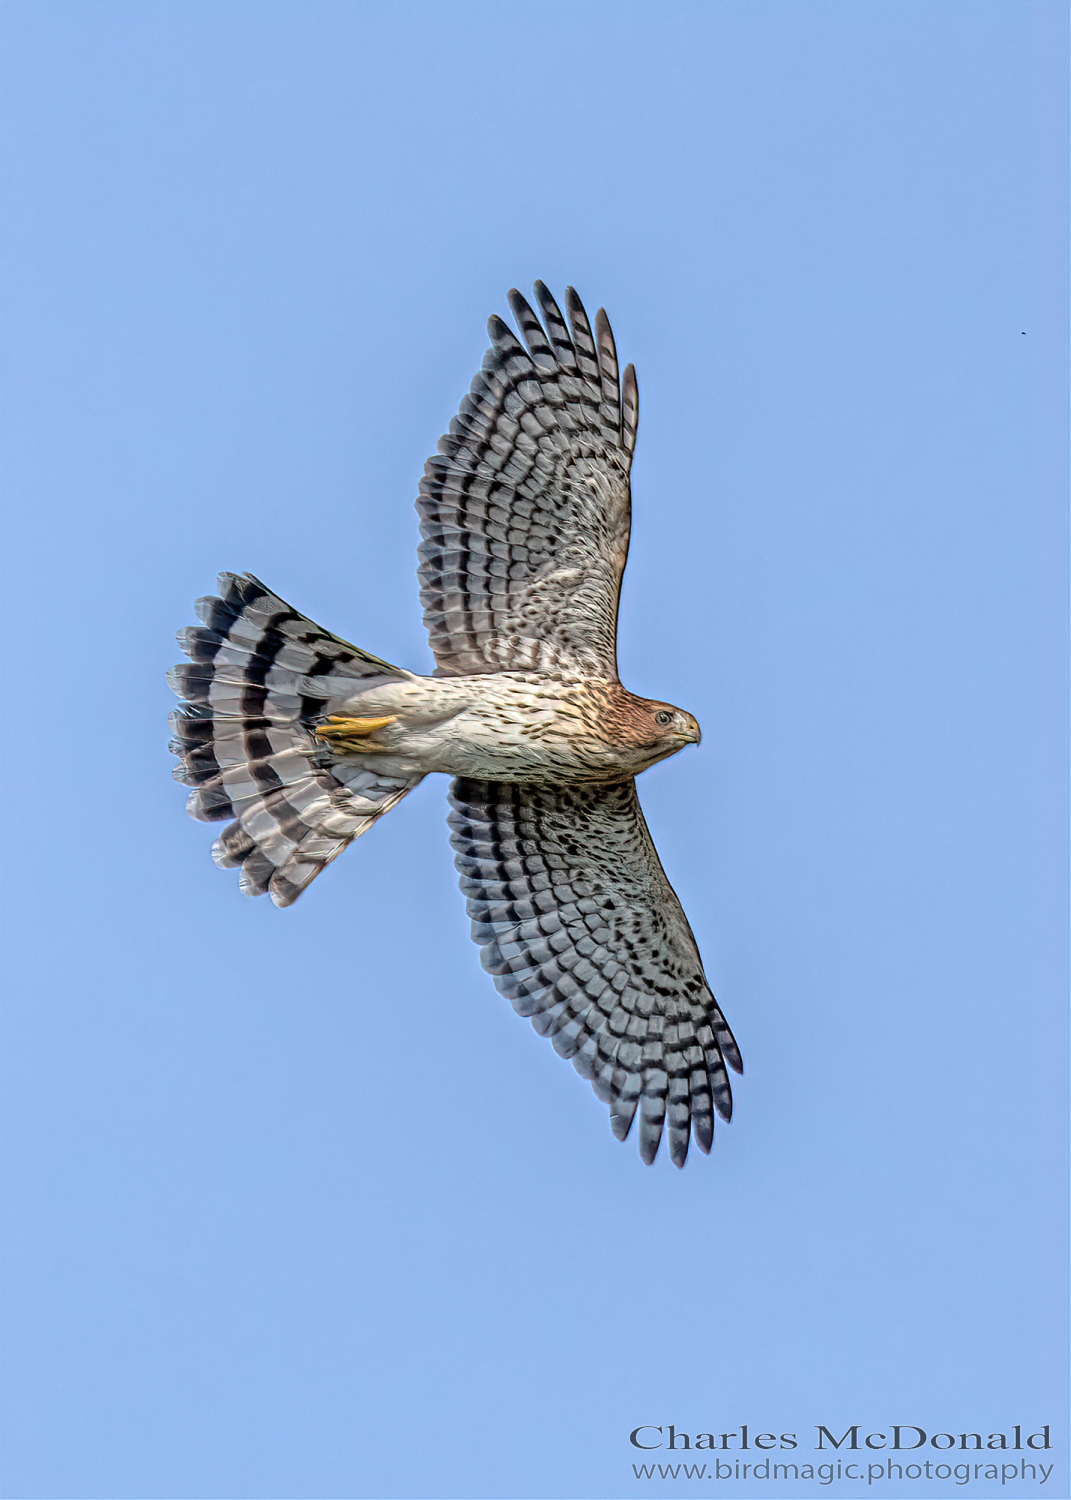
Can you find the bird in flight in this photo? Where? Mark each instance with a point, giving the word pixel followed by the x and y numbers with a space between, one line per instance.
pixel 303 740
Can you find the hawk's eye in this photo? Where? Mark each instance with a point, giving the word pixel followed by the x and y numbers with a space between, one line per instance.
pixel 661 717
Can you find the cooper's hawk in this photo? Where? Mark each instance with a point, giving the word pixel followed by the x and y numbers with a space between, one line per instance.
pixel 304 740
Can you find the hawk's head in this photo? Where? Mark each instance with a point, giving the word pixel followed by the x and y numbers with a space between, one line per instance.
pixel 666 724
pixel 650 730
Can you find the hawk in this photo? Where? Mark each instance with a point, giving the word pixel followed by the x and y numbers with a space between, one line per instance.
pixel 304 740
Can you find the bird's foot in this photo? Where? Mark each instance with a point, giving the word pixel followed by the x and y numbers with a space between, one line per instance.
pixel 352 736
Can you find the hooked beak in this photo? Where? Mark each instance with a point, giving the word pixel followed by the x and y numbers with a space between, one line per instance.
pixel 695 734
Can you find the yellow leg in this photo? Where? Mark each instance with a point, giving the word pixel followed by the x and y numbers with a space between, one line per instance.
pixel 353 734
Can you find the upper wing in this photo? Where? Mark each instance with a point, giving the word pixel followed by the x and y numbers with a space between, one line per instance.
pixel 583 933
pixel 525 509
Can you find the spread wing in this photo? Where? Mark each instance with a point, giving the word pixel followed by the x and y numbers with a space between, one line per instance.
pixel 584 934
pixel 525 509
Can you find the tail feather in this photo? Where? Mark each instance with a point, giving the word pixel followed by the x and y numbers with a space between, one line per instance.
pixel 260 679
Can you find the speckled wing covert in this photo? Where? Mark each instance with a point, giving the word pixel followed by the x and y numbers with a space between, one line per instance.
pixel 525 508
pixel 259 680
pixel 584 934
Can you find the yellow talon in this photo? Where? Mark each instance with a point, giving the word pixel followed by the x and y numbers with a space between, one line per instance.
pixel 337 724
pixel 339 731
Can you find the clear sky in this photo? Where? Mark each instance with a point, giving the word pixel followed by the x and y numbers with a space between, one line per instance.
pixel 296 1206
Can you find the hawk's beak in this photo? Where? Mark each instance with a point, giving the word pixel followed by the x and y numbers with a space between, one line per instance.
pixel 695 734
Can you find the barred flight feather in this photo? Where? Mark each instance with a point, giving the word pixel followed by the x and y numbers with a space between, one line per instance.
pixel 525 510
pixel 583 934
pixel 260 679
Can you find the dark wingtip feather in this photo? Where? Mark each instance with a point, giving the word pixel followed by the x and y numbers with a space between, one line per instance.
pixel 648 1146
pixel 501 334
pixel 579 319
pixel 730 1051
pixel 630 408
pixel 587 353
pixel 652 1121
pixel 623 1111
pixel 726 1041
pixel 607 350
pixel 557 327
pixel 703 1130
pixel 678 1147
pixel 531 330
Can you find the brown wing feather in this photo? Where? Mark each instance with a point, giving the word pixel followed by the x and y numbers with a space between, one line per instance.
pixel 525 509
pixel 584 934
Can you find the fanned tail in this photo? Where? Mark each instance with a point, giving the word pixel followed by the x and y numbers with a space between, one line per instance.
pixel 261 678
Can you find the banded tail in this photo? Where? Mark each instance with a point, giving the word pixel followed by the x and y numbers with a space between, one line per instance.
pixel 261 680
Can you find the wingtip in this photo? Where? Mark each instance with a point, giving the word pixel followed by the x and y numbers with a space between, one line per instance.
pixel 704 1139
pixel 651 1128
pixel 504 341
pixel 678 1152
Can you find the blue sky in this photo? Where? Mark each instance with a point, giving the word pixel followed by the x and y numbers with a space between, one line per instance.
pixel 296 1205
